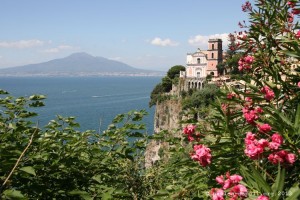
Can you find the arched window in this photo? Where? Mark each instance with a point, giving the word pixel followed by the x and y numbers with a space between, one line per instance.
pixel 198 60
pixel 212 55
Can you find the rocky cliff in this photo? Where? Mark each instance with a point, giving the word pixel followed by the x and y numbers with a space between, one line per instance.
pixel 167 117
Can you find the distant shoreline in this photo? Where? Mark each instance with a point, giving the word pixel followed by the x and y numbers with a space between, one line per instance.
pixel 86 75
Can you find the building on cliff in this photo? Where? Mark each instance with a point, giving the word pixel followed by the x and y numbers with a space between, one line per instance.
pixel 202 63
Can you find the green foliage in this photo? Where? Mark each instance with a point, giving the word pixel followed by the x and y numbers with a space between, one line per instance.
pixel 174 71
pixel 232 63
pixel 200 100
pixel 158 94
pixel 272 41
pixel 221 68
pixel 59 162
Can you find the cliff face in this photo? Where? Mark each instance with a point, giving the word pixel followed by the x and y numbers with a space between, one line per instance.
pixel 167 117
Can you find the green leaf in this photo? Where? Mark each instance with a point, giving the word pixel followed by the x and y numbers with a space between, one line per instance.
pixel 29 170
pixel 97 178
pixel 118 118
pixel 293 193
pixel 37 97
pixel 3 92
pixel 13 194
pixel 161 193
pixel 82 194
pixel 277 187
pixel 292 54
pixel 297 118
pixel 260 179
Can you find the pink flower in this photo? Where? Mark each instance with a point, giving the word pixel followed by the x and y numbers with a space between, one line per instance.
pixel 298 36
pixel 220 179
pixel 299 81
pixel 235 178
pixel 290 158
pixel 281 157
pixel 249 59
pixel 231 95
pixel 253 151
pixel 290 17
pixel 246 7
pixel 296 11
pixel 248 100
pixel 264 128
pixel 227 184
pixel 190 138
pixel 263 143
pixel 269 94
pixel 275 159
pixel 250 115
pixel 202 155
pixel 239 190
pixel 277 138
pixel 262 197
pixel 250 136
pixel 273 145
pixel 291 4
pixel 259 110
pixel 217 194
pixel 245 62
pixel 189 129
pixel 224 107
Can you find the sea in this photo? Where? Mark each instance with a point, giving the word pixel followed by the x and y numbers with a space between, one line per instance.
pixel 93 101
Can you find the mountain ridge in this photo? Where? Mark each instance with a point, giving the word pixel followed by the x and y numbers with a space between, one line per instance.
pixel 78 64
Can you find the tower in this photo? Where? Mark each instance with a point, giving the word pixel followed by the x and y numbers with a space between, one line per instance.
pixel 214 56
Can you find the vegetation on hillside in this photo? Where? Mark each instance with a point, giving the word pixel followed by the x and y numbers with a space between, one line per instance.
pixel 158 94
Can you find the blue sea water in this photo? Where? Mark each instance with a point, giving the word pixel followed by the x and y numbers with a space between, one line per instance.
pixel 94 101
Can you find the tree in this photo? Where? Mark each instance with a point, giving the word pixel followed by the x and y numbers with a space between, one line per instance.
pixel 174 71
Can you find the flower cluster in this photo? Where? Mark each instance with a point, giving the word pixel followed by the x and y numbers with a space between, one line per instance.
pixel 292 5
pixel 263 197
pixel 290 17
pixel 202 155
pixel 282 157
pixel 256 147
pixel 269 94
pixel 251 114
pixel 232 184
pixel 245 63
pixel 190 132
pixel 247 6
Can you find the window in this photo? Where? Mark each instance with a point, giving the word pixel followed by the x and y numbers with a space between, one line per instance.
pixel 213 46
pixel 212 55
pixel 198 60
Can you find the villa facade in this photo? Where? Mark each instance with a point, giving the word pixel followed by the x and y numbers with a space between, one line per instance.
pixel 202 63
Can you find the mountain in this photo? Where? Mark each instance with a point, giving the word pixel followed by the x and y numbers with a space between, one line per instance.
pixel 78 64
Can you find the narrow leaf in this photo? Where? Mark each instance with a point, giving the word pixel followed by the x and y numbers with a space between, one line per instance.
pixel 29 170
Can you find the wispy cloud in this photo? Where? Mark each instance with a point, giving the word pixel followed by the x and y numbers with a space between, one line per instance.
pixel 60 48
pixel 201 40
pixel 21 44
pixel 163 42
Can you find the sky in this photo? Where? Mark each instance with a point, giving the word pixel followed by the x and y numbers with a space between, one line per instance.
pixel 146 34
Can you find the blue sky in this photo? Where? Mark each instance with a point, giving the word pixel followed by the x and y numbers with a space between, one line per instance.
pixel 147 34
